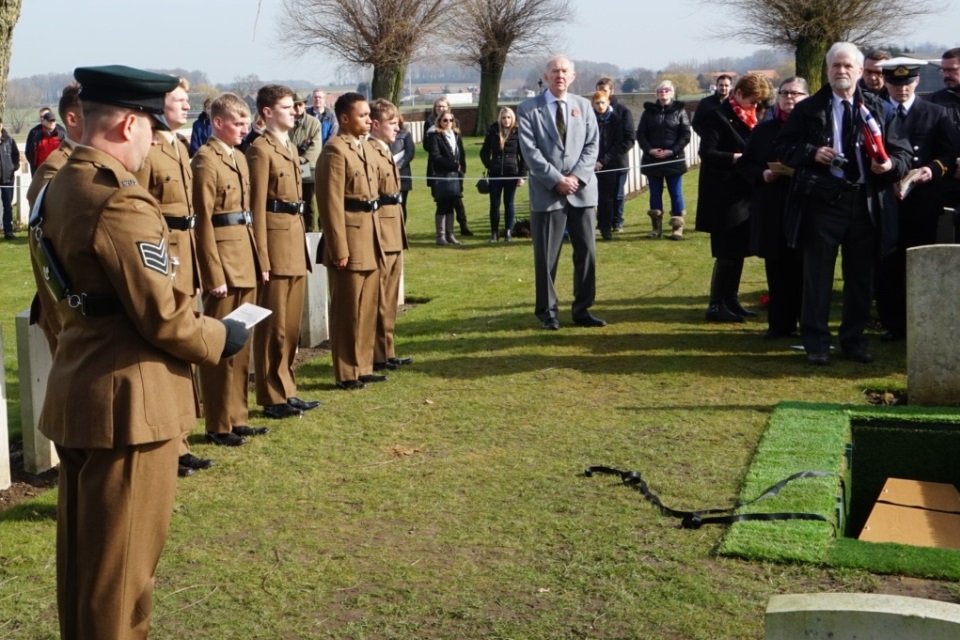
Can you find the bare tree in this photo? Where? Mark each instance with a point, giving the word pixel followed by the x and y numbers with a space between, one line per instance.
pixel 485 32
pixel 9 14
pixel 383 34
pixel 247 85
pixel 809 27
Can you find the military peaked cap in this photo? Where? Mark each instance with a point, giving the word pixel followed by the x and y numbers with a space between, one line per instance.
pixel 901 70
pixel 124 86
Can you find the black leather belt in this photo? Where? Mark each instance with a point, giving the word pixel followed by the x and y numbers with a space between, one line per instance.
pixel 96 304
pixel 230 219
pixel 279 206
pixel 396 198
pixel 367 206
pixel 181 223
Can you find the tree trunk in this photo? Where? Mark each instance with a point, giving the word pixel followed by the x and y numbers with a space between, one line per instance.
pixel 490 73
pixel 387 81
pixel 9 14
pixel 810 60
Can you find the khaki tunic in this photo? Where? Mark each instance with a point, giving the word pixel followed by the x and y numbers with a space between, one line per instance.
pixel 344 174
pixel 48 322
pixel 119 395
pixel 167 176
pixel 227 256
pixel 281 251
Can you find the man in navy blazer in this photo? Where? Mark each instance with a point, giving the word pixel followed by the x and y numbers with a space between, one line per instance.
pixel 560 141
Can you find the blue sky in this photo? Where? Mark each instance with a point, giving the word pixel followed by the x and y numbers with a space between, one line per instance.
pixel 628 33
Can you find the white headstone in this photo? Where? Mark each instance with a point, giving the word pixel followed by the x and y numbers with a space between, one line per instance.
pixel 314 327
pixel 34 361
pixel 4 430
pixel 933 316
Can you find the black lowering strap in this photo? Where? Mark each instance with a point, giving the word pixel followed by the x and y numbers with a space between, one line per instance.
pixel 696 519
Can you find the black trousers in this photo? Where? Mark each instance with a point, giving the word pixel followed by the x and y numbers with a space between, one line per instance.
pixel 914 231
pixel 844 223
pixel 785 280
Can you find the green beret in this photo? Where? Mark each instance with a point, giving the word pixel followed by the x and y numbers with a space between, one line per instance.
pixel 124 86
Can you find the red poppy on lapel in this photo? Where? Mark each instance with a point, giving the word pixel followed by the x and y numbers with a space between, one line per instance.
pixel 575 113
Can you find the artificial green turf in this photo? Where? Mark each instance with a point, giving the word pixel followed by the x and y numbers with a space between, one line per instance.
pixel 803 437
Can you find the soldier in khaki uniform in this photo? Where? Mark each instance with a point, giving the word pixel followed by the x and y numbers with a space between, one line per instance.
pixel 384 126
pixel 72 117
pixel 226 251
pixel 347 179
pixel 277 204
pixel 119 396
pixel 166 175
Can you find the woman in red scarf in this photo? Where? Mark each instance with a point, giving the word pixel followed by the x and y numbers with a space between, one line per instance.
pixel 723 207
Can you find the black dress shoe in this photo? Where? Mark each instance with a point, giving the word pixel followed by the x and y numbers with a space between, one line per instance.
pixel 818 359
pixel 244 430
pixel 278 411
pixel 720 313
pixel 183 472
pixel 372 377
pixel 380 366
pixel 400 362
pixel 349 385
pixel 735 306
pixel 229 439
pixel 302 405
pixel 465 231
pixel 892 336
pixel 857 356
pixel 589 321
pixel 192 462
pixel 552 324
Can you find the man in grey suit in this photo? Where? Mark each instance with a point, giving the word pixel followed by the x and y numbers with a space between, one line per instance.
pixel 560 140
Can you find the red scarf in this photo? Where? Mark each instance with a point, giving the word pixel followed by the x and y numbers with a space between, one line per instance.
pixel 748 118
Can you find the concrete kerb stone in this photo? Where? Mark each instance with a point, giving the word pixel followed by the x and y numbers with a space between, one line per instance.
pixel 314 327
pixel 34 362
pixel 859 616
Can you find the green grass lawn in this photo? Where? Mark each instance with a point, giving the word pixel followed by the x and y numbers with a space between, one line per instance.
pixel 487 528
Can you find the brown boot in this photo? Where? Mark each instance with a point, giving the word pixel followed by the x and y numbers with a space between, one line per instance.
pixel 441 231
pixel 676 223
pixel 656 219
pixel 451 239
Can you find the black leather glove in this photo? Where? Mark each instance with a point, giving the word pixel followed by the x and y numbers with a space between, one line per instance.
pixel 237 335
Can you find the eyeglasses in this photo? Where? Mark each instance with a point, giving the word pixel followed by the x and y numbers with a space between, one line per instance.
pixel 446 120
pixel 792 94
pixel 946 70
pixel 665 90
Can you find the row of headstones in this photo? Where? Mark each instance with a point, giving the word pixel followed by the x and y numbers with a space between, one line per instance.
pixel 34 360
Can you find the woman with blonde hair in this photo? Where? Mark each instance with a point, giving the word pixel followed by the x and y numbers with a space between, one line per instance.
pixel 445 168
pixel 663 134
pixel 503 161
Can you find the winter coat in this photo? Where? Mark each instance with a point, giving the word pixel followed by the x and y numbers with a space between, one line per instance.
pixel 403 151
pixel 722 135
pixel 614 146
pixel 9 158
pixel 769 199
pixel 663 127
pixel 506 162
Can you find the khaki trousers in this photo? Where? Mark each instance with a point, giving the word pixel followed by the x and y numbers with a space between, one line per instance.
pixel 387 309
pixel 224 387
pixel 113 513
pixel 353 321
pixel 275 338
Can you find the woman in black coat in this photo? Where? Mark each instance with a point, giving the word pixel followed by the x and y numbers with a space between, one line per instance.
pixel 663 134
pixel 610 157
pixel 783 265
pixel 501 157
pixel 403 151
pixel 723 203
pixel 448 162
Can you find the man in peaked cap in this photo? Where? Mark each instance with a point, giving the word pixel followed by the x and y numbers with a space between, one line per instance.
pixel 949 97
pixel 934 144
pixel 120 394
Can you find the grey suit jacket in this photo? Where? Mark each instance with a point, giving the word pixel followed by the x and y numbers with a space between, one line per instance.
pixel 548 160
